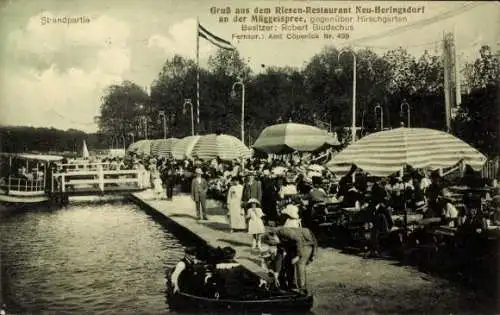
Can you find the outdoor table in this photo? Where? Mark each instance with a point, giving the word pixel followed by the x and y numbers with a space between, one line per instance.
pixel 410 218
pixel 428 221
pixel 352 209
pixel 446 230
pixel 332 202
pixel 493 232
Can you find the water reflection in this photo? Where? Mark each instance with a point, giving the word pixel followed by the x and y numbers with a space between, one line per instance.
pixel 89 258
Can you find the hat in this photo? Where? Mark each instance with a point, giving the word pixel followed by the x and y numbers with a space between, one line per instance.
pixel 198 171
pixel 253 200
pixel 270 239
pixel 228 253
pixel 191 250
pixel 292 211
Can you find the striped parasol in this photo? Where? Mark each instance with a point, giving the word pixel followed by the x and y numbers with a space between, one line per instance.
pixel 142 147
pixel 225 147
pixel 163 147
pixel 290 137
pixel 183 147
pixel 387 152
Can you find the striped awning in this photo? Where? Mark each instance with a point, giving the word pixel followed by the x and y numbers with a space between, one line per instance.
pixel 183 148
pixel 141 147
pixel 225 147
pixel 163 147
pixel 387 152
pixel 291 137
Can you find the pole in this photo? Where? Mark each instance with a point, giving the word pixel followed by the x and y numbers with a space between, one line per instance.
pixel 446 65
pixel 164 127
pixel 381 116
pixel 354 99
pixel 192 119
pixel 242 112
pixel 408 115
pixel 458 88
pixel 162 115
pixel 197 74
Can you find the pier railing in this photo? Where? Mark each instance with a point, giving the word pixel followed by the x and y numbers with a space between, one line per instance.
pixel 97 176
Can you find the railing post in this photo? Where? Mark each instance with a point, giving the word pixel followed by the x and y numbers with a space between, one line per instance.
pixel 63 183
pixel 138 176
pixel 100 177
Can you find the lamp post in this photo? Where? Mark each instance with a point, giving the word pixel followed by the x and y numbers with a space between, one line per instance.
pixel 187 101
pixel 381 116
pixel 124 144
pixel 233 93
pixel 164 118
pixel 353 91
pixel 144 120
pixel 408 112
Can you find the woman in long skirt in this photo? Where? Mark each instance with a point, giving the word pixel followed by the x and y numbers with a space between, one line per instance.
pixel 235 211
pixel 157 184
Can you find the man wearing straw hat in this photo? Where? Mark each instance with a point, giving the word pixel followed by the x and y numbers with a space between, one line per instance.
pixel 199 187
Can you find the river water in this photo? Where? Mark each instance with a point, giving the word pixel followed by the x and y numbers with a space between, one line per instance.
pixel 89 258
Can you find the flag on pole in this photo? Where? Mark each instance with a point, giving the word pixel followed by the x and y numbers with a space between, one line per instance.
pixel 215 40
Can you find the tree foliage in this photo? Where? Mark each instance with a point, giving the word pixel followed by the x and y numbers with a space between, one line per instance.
pixel 320 93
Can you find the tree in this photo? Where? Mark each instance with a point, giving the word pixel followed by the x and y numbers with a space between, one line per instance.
pixel 121 108
pixel 477 121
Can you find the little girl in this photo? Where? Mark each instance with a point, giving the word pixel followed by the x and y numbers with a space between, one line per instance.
pixel 255 224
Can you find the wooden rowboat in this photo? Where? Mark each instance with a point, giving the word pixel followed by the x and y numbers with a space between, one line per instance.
pixel 288 302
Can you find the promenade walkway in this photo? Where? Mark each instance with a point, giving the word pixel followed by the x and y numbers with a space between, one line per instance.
pixel 341 283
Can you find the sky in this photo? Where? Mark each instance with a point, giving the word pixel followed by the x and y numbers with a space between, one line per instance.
pixel 54 75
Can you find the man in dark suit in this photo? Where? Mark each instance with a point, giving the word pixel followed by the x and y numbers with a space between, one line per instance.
pixel 252 189
pixel 270 196
pixel 168 177
pixel 199 187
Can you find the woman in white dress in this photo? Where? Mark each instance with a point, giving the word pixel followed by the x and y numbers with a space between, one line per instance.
pixel 157 184
pixel 235 211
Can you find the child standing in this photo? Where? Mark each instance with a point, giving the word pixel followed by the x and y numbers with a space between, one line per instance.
pixel 255 224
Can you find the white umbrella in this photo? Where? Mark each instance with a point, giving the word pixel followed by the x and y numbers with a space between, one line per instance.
pixel 225 147
pixel 290 137
pixel 387 152
pixel 184 147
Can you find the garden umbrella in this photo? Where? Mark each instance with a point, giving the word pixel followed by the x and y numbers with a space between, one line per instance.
pixel 141 147
pixel 183 148
pixel 225 147
pixel 290 137
pixel 163 147
pixel 387 152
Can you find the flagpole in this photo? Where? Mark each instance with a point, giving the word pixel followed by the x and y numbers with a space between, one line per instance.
pixel 198 73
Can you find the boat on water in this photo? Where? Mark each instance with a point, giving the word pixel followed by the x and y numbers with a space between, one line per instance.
pixel 25 178
pixel 277 301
